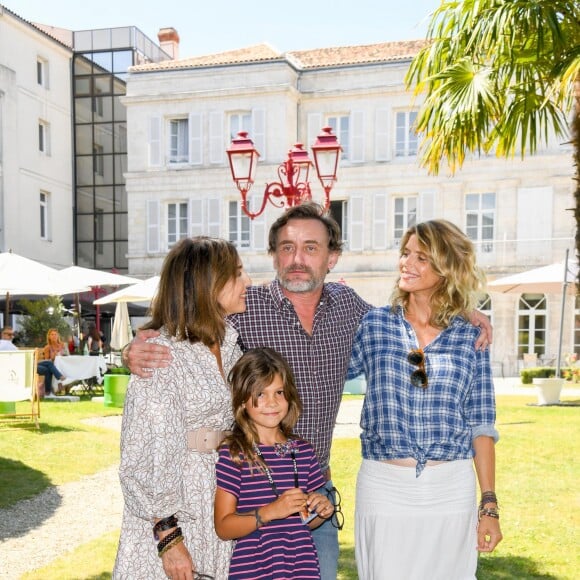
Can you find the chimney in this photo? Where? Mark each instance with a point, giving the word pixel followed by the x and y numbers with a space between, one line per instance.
pixel 169 41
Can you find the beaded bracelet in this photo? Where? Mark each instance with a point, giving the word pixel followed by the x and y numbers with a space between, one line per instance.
pixel 490 512
pixel 176 533
pixel 164 524
pixel 173 542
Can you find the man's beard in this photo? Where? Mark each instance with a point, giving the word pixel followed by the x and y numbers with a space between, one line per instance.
pixel 299 285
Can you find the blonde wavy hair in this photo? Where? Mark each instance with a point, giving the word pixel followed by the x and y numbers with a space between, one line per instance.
pixel 452 257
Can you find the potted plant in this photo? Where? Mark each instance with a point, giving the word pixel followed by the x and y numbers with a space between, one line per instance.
pixel 548 386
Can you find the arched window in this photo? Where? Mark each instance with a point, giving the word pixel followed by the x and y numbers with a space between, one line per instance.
pixel 532 320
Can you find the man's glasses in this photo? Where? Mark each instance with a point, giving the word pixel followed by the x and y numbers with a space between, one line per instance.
pixel 419 376
pixel 337 519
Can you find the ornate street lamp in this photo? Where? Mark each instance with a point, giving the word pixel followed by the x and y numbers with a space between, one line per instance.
pixel 293 186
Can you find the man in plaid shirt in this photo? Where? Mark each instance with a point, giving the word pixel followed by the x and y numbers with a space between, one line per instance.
pixel 310 322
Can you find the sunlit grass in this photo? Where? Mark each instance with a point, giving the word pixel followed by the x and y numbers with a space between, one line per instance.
pixel 537 479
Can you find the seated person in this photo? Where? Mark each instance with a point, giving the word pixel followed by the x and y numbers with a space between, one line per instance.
pixel 6 339
pixel 54 346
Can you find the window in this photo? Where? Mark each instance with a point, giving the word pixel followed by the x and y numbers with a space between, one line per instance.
pixel 406 141
pixel 577 327
pixel 42 72
pixel 404 216
pixel 100 231
pixel 44 215
pixel 339 211
pixel 341 128
pixel 480 219
pixel 97 103
pixel 177 221
pixel 240 122
pixel 44 137
pixel 178 141
pixel 98 161
pixel 531 331
pixel 239 225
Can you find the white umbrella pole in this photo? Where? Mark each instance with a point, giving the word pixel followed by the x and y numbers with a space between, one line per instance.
pixel 563 307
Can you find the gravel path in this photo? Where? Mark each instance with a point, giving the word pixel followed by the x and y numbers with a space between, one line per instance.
pixel 34 532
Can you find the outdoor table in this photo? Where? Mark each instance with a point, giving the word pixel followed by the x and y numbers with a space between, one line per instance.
pixel 78 368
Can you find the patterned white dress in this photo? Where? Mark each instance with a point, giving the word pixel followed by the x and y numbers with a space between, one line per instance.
pixel 159 475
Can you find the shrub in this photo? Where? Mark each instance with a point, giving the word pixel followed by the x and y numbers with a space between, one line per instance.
pixel 527 375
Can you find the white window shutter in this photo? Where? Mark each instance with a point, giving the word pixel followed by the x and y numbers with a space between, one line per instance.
pixel 216 137
pixel 380 236
pixel 382 141
pixel 357 141
pixel 196 139
pixel 213 217
pixel 356 234
pixel 153 229
pixel 425 206
pixel 259 132
pixel 196 217
pixel 315 124
pixel 258 225
pixel 154 141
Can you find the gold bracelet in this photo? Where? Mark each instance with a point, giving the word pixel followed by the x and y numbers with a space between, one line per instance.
pixel 173 542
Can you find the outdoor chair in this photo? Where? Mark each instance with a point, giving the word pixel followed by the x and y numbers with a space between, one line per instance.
pixel 19 382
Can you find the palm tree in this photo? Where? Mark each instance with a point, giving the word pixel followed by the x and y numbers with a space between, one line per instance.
pixel 499 75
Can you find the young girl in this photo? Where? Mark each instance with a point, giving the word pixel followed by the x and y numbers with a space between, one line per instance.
pixel 266 477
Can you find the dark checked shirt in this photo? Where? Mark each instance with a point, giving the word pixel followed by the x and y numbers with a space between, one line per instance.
pixel 319 361
pixel 439 422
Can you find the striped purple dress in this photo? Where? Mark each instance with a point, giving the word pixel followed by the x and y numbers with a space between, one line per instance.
pixel 280 549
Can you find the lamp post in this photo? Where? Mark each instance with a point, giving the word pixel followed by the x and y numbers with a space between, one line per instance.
pixel 292 187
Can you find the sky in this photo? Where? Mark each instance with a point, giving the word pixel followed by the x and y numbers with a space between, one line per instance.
pixel 211 26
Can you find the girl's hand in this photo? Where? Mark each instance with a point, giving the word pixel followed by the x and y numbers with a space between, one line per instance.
pixel 290 502
pixel 177 563
pixel 321 505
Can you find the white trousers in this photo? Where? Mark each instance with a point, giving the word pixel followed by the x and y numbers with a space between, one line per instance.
pixel 416 528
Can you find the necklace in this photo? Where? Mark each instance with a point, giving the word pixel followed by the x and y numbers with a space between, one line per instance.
pixel 282 449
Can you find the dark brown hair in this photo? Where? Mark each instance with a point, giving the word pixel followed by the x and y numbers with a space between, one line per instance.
pixel 193 274
pixel 252 373
pixel 307 211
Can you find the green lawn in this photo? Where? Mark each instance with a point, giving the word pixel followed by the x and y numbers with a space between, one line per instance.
pixel 538 471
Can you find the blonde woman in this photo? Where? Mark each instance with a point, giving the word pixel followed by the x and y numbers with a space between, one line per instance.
pixel 54 346
pixel 428 418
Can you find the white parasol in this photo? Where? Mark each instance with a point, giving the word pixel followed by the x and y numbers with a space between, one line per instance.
pixel 143 291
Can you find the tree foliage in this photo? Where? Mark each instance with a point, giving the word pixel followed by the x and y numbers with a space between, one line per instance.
pixel 498 75
pixel 42 315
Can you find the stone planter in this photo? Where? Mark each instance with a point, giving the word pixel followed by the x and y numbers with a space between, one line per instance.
pixel 548 390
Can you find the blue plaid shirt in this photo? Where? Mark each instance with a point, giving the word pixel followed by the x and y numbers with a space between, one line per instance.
pixel 439 422
pixel 319 361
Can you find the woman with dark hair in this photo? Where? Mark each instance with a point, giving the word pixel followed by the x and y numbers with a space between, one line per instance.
pixel 428 418
pixel 174 421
